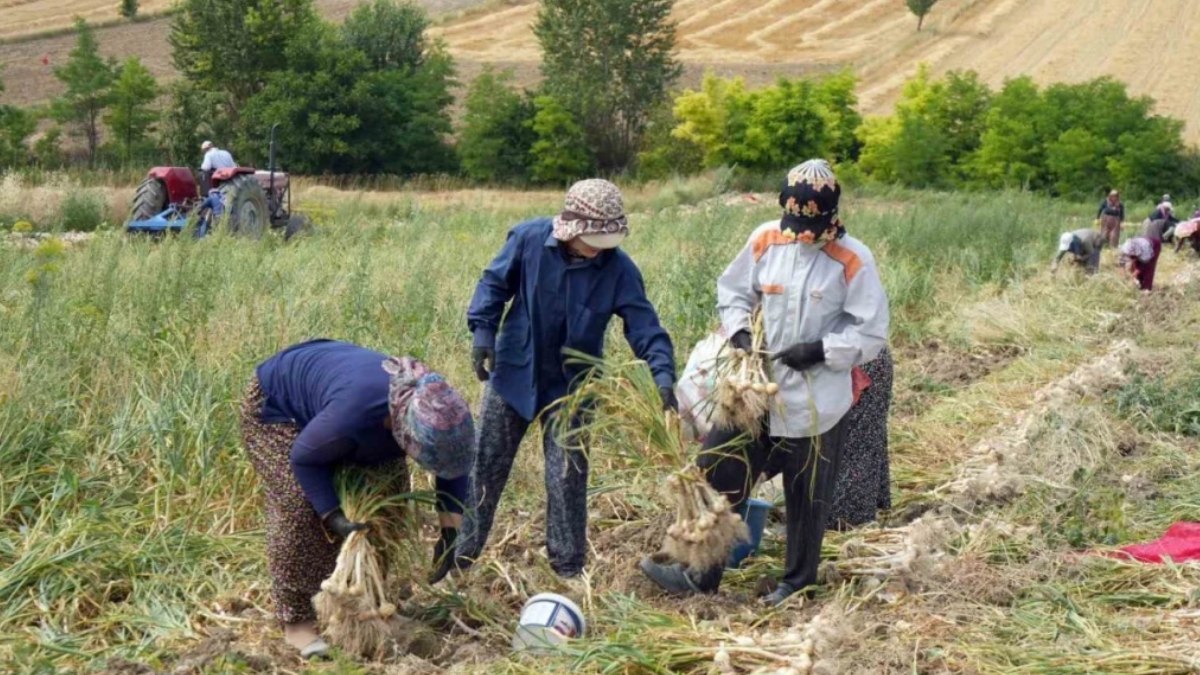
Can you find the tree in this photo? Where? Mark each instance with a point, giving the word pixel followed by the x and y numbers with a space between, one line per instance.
pixel 1077 163
pixel 130 117
pixel 497 132
pixel 958 106
pixel 1153 160
pixel 338 115
pixel 712 117
pixel 610 63
pixel 785 123
pixel 663 154
pixel 192 116
pixel 87 78
pixel 47 150
pixel 838 105
pixel 232 47
pixel 920 8
pixel 16 126
pixel 390 35
pixel 1011 149
pixel 129 9
pixel 560 154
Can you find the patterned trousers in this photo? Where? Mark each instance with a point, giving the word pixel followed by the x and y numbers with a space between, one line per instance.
pixel 301 553
pixel 501 430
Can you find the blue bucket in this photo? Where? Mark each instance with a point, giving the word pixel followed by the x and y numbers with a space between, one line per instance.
pixel 754 513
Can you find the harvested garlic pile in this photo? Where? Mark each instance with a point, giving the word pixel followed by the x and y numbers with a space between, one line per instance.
pixel 705 527
pixel 351 606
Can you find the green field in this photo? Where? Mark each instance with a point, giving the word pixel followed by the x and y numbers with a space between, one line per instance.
pixel 131 527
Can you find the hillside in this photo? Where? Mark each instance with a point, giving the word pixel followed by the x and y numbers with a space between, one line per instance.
pixel 27 65
pixel 1149 44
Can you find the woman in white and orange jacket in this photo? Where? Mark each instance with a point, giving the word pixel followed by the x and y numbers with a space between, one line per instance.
pixel 824 312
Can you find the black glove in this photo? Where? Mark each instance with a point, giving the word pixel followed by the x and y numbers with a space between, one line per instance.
pixel 484 360
pixel 802 355
pixel 741 340
pixel 337 523
pixel 443 554
pixel 669 401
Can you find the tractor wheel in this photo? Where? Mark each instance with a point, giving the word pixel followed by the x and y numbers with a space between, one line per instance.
pixel 149 200
pixel 298 225
pixel 246 212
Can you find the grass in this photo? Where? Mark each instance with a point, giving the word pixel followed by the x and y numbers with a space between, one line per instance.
pixel 131 525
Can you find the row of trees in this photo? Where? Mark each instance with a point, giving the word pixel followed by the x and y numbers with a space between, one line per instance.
pixel 1066 139
pixel 99 93
pixel 372 96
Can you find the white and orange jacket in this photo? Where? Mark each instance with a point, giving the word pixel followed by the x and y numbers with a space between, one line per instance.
pixel 830 293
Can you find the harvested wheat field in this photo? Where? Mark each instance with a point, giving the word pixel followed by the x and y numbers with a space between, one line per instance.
pixel 1148 44
pixel 35 38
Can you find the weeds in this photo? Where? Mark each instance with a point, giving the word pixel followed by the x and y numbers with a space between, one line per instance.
pixel 129 514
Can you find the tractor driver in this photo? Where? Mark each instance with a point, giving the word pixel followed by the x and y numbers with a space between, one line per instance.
pixel 214 158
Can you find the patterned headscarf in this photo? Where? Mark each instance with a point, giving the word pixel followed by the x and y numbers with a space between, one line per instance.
pixel 430 416
pixel 809 198
pixel 1139 248
pixel 593 209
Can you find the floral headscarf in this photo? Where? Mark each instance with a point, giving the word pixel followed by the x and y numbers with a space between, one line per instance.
pixel 428 415
pixel 809 198
pixel 592 207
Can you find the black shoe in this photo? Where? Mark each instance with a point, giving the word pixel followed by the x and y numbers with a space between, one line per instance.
pixel 777 597
pixel 672 578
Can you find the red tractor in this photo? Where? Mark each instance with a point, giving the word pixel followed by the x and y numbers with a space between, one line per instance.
pixel 245 200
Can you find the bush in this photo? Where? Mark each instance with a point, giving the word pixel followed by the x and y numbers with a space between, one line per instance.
pixel 663 155
pixel 82 211
pixel 560 155
pixel 771 128
pixel 498 133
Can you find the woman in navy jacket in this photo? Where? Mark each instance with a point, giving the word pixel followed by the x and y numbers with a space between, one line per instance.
pixel 562 280
pixel 319 405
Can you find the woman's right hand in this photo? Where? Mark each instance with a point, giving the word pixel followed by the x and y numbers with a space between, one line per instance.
pixel 337 523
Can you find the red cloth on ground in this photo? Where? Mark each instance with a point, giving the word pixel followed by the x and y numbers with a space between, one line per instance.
pixel 1181 543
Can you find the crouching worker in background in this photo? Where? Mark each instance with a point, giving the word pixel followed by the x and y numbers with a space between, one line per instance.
pixel 824 311
pixel 322 404
pixel 565 279
pixel 1084 246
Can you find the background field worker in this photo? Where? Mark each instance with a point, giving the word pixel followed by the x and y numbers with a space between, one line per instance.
pixel 562 280
pixel 1143 258
pixel 214 158
pixel 1110 216
pixel 1164 211
pixel 824 312
pixel 320 405
pixel 1084 246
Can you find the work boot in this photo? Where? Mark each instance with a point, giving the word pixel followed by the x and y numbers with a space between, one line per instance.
pixel 671 577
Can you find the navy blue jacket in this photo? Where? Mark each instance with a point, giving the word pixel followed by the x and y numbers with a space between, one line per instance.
pixel 338 394
pixel 559 303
